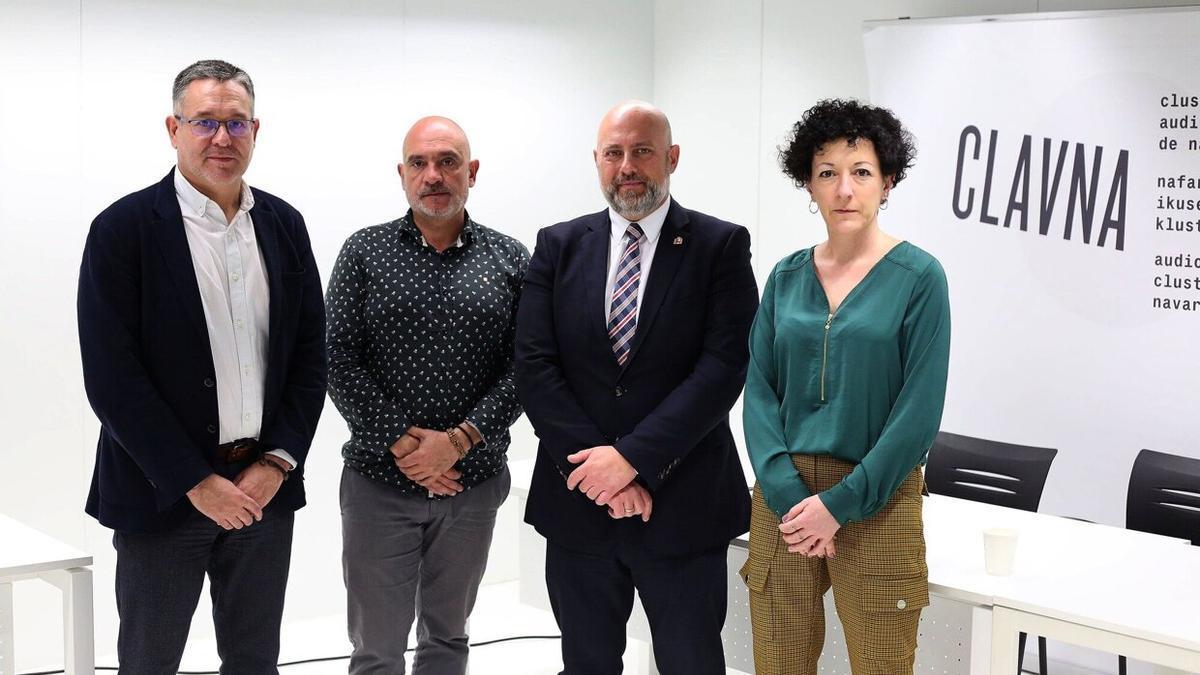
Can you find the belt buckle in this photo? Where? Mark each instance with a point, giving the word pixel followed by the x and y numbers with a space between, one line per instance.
pixel 239 451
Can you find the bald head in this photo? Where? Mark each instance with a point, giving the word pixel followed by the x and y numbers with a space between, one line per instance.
pixel 635 158
pixel 437 128
pixel 646 116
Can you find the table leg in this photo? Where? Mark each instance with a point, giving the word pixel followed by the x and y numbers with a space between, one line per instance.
pixel 78 630
pixel 1007 623
pixel 981 640
pixel 7 665
pixel 1004 641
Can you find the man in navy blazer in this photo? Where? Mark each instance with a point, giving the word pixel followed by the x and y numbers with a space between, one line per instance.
pixel 631 349
pixel 201 327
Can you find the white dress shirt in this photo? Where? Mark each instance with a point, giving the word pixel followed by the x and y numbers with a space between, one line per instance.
pixel 651 226
pixel 236 299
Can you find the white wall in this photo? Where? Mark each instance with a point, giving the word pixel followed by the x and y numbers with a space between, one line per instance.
pixel 87 87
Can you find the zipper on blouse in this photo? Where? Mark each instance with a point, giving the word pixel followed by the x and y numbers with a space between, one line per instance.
pixel 825 354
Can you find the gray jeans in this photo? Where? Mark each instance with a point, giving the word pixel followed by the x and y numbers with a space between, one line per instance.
pixel 406 557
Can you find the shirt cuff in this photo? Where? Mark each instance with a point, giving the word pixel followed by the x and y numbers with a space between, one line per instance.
pixel 283 454
pixel 782 495
pixel 842 503
pixel 482 439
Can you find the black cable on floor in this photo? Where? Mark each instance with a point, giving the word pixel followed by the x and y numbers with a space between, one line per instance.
pixel 516 637
pixel 322 659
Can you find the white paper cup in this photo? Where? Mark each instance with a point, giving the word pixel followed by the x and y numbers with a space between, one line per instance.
pixel 999 550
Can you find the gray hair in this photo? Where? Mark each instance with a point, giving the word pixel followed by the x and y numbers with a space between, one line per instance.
pixel 211 69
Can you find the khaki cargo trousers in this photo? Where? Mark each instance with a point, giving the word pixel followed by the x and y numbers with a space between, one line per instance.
pixel 878 574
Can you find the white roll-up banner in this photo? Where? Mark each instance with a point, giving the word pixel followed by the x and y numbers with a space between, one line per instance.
pixel 1058 181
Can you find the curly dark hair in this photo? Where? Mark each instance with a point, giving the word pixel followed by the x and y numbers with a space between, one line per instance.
pixel 836 118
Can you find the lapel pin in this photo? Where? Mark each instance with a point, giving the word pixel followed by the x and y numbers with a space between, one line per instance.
pixel 678 241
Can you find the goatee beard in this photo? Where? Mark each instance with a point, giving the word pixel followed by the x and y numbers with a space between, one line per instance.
pixel 634 207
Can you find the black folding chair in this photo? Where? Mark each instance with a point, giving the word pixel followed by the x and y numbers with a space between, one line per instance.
pixel 988 471
pixel 993 473
pixel 1164 498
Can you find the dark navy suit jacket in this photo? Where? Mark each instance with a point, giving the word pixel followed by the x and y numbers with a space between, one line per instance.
pixel 667 409
pixel 147 364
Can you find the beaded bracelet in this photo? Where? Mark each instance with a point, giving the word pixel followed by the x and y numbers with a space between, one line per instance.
pixel 452 433
pixel 467 435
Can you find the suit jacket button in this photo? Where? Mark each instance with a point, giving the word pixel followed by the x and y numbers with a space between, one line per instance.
pixel 209 382
pixel 212 428
pixel 619 392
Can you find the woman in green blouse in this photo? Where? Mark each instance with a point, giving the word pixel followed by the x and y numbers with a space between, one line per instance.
pixel 844 396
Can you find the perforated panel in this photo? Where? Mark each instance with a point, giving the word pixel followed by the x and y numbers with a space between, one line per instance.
pixel 944 641
pixel 739 643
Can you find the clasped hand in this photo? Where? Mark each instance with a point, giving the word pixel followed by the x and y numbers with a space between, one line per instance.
pixel 633 500
pixel 427 458
pixel 809 527
pixel 238 503
pixel 601 474
pixel 606 478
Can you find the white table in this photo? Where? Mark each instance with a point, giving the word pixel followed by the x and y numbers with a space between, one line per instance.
pixel 26 553
pixel 1140 601
pixel 1073 581
pixel 1103 587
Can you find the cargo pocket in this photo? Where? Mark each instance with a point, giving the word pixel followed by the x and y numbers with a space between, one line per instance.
pixel 891 610
pixel 754 574
pixel 762 607
pixel 892 595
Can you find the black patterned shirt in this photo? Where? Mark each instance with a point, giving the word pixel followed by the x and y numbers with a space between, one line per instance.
pixel 422 338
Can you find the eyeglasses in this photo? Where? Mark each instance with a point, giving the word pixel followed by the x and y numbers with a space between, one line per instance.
pixel 204 128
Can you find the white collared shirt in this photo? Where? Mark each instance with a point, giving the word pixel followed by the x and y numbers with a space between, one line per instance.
pixel 651 226
pixel 232 278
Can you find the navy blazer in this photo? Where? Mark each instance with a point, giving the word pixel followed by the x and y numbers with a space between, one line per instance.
pixel 667 409
pixel 147 364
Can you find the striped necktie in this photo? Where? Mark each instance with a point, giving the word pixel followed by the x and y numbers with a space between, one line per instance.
pixel 622 317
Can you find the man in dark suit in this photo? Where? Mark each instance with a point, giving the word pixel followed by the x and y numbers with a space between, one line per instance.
pixel 202 331
pixel 631 349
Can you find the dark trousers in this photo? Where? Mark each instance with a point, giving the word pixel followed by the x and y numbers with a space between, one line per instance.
pixel 159 579
pixel 684 598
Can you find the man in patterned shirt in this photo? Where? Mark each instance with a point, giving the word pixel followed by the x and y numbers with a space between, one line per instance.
pixel 422 317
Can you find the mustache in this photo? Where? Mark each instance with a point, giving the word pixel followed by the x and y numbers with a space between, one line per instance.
pixel 432 189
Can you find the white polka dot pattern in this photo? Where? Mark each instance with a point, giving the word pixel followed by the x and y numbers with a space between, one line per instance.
pixel 421 338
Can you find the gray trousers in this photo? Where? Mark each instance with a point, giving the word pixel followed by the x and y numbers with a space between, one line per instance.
pixel 406 557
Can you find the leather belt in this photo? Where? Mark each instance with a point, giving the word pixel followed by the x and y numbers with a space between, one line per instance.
pixel 239 450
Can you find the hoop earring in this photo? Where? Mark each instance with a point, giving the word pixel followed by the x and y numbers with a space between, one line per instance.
pixel 812 207
pixel 883 205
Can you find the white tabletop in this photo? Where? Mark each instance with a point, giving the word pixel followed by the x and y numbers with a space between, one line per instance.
pixel 1139 584
pixel 1048 548
pixel 24 550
